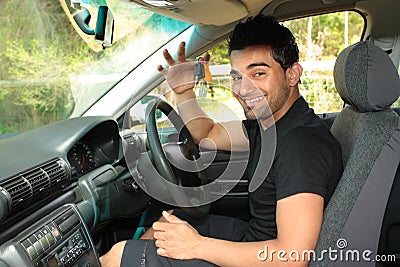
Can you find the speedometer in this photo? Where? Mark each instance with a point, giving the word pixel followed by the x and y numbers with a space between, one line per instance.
pixel 81 158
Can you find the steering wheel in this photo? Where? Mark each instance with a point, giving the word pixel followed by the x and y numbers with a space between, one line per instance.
pixel 186 147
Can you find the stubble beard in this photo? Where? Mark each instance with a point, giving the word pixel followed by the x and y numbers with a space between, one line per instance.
pixel 270 106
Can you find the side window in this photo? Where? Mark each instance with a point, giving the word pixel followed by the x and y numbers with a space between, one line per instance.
pixel 320 39
pixel 137 111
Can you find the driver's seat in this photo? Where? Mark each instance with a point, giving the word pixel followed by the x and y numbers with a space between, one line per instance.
pixel 368 130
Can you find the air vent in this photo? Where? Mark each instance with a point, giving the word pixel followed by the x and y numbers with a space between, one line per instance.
pixel 39 181
pixel 35 184
pixel 18 191
pixel 58 173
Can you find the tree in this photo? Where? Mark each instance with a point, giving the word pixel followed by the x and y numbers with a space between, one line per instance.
pixel 33 45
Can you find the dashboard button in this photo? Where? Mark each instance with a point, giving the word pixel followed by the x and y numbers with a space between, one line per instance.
pixel 32 252
pixel 44 230
pixel 50 238
pixel 38 235
pixel 32 239
pixel 38 247
pixel 54 231
pixel 26 244
pixel 45 244
pixel 51 226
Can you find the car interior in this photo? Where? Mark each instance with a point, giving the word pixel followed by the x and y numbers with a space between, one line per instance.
pixel 73 188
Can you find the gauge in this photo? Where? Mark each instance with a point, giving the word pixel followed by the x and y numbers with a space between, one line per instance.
pixel 81 157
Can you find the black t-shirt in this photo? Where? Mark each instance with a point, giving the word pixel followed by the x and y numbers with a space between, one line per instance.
pixel 307 159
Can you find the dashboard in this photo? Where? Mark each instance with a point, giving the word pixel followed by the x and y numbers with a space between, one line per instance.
pixel 98 147
pixel 59 239
pixel 38 165
pixel 58 183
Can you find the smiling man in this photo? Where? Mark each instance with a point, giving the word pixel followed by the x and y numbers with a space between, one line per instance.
pixel 287 208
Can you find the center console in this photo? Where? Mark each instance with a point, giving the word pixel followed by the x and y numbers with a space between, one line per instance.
pixel 60 239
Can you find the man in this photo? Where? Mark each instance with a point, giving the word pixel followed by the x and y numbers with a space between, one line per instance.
pixel 287 207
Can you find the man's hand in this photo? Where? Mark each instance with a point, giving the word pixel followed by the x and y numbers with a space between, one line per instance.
pixel 180 74
pixel 176 238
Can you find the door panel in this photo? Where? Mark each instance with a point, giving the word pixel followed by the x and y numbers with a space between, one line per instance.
pixel 235 202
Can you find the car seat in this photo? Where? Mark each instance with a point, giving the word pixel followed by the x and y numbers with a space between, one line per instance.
pixel 368 131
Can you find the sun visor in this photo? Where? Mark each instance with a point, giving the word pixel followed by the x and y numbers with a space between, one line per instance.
pixel 197 12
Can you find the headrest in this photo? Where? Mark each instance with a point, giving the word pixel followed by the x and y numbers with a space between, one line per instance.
pixel 366 77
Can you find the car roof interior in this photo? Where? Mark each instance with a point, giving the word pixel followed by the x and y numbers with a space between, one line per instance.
pixel 211 23
pixel 206 13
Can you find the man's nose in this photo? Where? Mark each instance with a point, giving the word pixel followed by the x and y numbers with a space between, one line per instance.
pixel 247 86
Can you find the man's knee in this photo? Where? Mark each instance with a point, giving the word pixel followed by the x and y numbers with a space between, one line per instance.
pixel 113 257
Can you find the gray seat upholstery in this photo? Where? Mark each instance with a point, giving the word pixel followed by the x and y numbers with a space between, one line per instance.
pixel 368 130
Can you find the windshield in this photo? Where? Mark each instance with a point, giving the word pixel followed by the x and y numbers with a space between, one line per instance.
pixel 51 70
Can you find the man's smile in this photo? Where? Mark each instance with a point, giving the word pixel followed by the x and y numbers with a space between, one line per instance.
pixel 251 100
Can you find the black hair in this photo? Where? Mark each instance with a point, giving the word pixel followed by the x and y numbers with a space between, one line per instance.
pixel 266 30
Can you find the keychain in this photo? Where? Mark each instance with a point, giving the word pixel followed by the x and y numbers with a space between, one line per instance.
pixel 202 75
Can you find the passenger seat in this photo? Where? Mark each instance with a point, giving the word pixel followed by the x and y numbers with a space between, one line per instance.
pixel 368 130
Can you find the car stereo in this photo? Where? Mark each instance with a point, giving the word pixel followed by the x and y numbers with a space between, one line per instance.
pixel 60 239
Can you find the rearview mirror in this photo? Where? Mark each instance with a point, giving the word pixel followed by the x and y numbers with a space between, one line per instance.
pixel 103 33
pixel 104 27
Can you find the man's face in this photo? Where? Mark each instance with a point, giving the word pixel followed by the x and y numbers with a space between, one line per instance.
pixel 259 83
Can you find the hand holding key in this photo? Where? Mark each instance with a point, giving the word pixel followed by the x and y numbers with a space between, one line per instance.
pixel 183 75
pixel 180 74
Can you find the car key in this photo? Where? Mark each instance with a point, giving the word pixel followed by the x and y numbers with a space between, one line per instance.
pixel 199 75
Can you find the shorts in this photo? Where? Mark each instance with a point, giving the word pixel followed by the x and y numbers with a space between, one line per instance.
pixel 143 253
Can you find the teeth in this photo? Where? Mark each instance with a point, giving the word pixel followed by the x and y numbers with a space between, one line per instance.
pixel 253 100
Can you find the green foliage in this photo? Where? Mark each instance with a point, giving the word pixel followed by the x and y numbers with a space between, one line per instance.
pixel 327 34
pixel 319 91
pixel 34 81
pixel 4 129
pixel 219 54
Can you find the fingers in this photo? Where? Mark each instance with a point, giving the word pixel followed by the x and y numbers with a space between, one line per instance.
pixel 181 55
pixel 171 218
pixel 162 252
pixel 168 58
pixel 160 226
pixel 166 215
pixel 181 52
pixel 159 235
pixel 160 244
pixel 160 68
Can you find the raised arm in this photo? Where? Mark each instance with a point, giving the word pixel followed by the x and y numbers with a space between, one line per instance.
pixel 180 77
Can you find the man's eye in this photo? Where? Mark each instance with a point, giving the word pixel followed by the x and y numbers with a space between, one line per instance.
pixel 236 78
pixel 258 74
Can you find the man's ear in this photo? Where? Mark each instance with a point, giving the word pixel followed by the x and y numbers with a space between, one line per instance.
pixel 293 74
